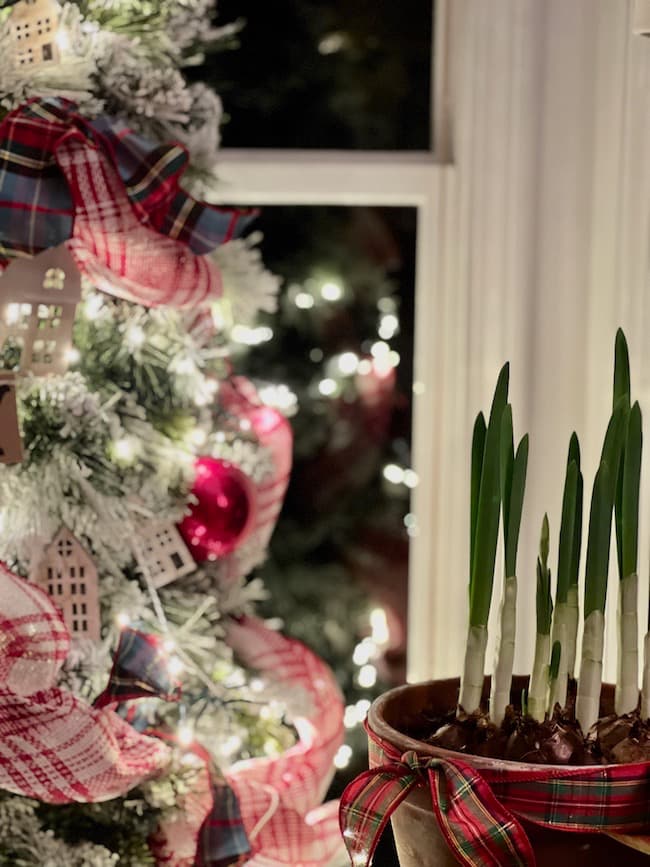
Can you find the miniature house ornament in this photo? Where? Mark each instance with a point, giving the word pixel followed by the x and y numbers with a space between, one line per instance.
pixel 161 553
pixel 38 300
pixel 34 26
pixel 67 573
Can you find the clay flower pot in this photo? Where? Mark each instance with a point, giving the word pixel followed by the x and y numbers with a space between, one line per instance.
pixel 422 834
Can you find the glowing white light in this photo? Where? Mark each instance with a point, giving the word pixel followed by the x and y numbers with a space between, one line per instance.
pixel 386 304
pixel 394 358
pixel 13 314
pixel 175 666
pixel 343 756
pixel 364 651
pixel 122 619
pixel 197 436
pixel 348 363
pixel 62 39
pixel 410 520
pixel 419 388
pixel 367 676
pixel 363 706
pixel 411 479
pixel 379 624
pixel 351 716
pixel 248 336
pixel 327 387
pixel 124 449
pixel 279 396
pixel 316 354
pixel 331 291
pixel 380 349
pixel 245 424
pixel 304 301
pixel 93 305
pixel 394 474
pixel 135 337
pixel 388 326
pixel 169 645
pixel 184 366
pixel 257 685
pixel 331 43
pixel 185 735
pixel 72 355
pixel 365 367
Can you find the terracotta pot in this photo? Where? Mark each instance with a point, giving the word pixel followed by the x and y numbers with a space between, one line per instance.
pixel 417 836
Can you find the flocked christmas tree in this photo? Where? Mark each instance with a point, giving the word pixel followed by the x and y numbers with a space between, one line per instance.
pixel 140 478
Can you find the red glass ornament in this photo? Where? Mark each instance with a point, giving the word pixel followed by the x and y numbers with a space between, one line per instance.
pixel 224 513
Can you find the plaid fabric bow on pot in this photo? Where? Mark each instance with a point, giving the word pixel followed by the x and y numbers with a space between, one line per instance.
pixel 478 812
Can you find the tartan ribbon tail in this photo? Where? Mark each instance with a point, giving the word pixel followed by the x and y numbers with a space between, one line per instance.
pixel 366 806
pixel 478 829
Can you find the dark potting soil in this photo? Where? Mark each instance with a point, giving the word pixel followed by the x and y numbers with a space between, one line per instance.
pixel 558 740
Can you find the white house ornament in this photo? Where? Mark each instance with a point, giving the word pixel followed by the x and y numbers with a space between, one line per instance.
pixel 38 301
pixel 11 447
pixel 34 26
pixel 68 575
pixel 161 553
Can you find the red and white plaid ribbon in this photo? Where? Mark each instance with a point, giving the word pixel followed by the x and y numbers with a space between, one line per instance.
pixel 53 746
pixel 281 797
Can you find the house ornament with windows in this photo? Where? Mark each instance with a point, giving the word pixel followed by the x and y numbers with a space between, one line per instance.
pixel 67 573
pixel 38 300
pixel 34 26
pixel 162 555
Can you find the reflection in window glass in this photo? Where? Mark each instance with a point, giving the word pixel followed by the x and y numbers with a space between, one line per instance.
pixel 341 343
pixel 347 74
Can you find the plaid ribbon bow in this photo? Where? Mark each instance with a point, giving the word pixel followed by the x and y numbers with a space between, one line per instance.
pixel 140 670
pixel 478 829
pixel 478 811
pixel 114 198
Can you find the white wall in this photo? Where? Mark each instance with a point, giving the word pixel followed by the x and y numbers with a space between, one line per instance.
pixel 546 255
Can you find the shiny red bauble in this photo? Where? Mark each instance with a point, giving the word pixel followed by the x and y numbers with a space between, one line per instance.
pixel 224 512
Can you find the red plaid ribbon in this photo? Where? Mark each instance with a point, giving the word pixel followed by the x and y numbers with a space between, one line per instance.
pixel 477 810
pixel 53 746
pixel 114 198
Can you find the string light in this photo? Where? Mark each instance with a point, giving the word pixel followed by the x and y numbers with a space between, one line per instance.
pixel 348 363
pixel 365 367
pixel 123 620
pixel 93 306
pixel 343 756
pixel 388 326
pixel 280 397
pixel 327 387
pixel 175 666
pixel 379 625
pixel 72 355
pixel 197 436
pixel 367 676
pixel 394 474
pixel 411 479
pixel 248 336
pixel 304 301
pixel 331 291
pixel 135 337
pixel 124 449
pixel 418 388
pixel 364 651
pixel 185 735
pixel 316 354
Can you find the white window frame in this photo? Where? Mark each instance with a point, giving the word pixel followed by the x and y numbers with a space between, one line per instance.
pixel 531 207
